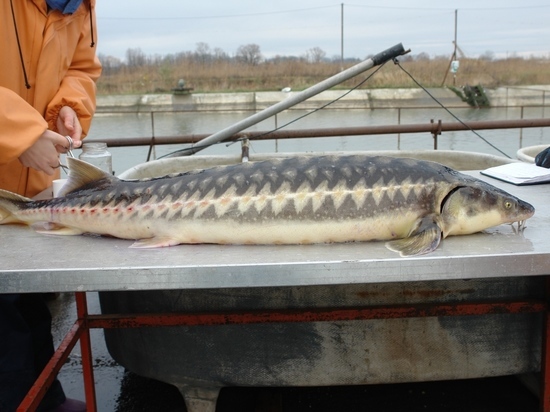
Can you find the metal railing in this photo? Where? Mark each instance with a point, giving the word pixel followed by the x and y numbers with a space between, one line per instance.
pixel 436 128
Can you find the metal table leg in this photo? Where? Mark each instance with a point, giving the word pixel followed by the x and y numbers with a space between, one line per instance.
pixel 78 331
pixel 545 356
pixel 86 349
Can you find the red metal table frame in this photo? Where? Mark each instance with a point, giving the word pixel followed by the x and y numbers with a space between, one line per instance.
pixel 85 322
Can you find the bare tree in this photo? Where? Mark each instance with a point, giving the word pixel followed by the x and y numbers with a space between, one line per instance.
pixel 249 54
pixel 423 56
pixel 202 52
pixel 135 58
pixel 110 64
pixel 487 56
pixel 219 54
pixel 315 55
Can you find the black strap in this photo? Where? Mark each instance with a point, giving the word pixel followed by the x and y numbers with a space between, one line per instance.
pixel 27 85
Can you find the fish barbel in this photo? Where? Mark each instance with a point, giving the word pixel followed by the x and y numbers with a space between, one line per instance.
pixel 412 204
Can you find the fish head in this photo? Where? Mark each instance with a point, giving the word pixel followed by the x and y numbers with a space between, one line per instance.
pixel 471 209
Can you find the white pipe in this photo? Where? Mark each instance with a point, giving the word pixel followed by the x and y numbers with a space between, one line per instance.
pixel 297 98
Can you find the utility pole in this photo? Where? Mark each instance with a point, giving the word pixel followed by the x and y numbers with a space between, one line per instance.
pixel 454 52
pixel 453 57
pixel 342 37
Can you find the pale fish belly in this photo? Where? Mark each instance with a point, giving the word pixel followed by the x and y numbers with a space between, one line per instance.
pixel 381 226
pixel 278 231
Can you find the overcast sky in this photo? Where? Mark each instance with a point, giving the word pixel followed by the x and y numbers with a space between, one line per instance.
pixel 292 27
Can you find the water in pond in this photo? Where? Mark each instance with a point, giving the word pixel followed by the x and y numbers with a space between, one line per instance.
pixel 122 125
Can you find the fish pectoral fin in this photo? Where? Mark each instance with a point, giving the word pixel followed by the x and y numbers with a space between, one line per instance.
pixel 49 228
pixel 153 242
pixel 425 240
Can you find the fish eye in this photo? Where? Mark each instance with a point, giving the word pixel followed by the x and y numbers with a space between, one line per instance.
pixel 508 204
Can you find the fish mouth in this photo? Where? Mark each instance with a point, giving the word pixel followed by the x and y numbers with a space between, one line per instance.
pixel 519 226
pixel 527 211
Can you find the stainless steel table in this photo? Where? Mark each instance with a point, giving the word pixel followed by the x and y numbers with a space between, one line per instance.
pixel 31 262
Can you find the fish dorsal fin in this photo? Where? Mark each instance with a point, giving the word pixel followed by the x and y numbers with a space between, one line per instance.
pixel 82 173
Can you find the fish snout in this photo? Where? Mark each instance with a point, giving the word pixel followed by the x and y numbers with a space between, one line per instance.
pixel 514 210
pixel 524 210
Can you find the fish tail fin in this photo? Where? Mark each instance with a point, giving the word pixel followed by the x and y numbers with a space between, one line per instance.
pixel 10 203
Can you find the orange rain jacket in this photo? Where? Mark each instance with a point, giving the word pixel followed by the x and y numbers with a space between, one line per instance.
pixel 61 67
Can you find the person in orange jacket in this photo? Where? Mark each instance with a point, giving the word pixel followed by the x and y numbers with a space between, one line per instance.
pixel 47 92
pixel 47 89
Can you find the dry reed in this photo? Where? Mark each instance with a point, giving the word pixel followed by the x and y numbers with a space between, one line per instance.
pixel 233 76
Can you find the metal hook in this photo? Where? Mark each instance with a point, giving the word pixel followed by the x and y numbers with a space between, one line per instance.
pixel 62 166
pixel 71 146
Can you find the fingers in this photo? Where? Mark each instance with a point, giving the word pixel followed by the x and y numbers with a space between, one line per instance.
pixel 56 139
pixel 77 143
pixel 43 155
pixel 69 125
pixel 62 144
pixel 34 161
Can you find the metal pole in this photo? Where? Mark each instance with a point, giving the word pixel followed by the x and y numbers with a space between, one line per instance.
pixel 456 44
pixel 86 351
pixel 380 58
pixel 453 56
pixel 521 130
pixel 342 37
pixel 399 123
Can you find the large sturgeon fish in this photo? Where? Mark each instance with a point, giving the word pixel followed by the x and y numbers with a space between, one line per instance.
pixel 412 204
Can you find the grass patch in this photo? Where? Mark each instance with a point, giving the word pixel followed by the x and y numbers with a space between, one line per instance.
pixel 235 76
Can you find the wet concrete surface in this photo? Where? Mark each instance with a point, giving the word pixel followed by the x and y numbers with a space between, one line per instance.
pixel 121 391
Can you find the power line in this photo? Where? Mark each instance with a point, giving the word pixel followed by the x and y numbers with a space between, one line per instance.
pixel 226 16
pixel 448 111
pixel 450 8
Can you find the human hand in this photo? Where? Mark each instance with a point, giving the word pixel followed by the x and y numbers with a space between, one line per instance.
pixel 543 158
pixel 69 125
pixel 43 155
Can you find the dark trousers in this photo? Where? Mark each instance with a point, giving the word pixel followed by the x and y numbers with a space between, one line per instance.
pixel 26 346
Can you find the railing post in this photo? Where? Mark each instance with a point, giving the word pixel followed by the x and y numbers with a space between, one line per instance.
pixel 436 132
pixel 152 144
pixel 521 130
pixel 399 134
